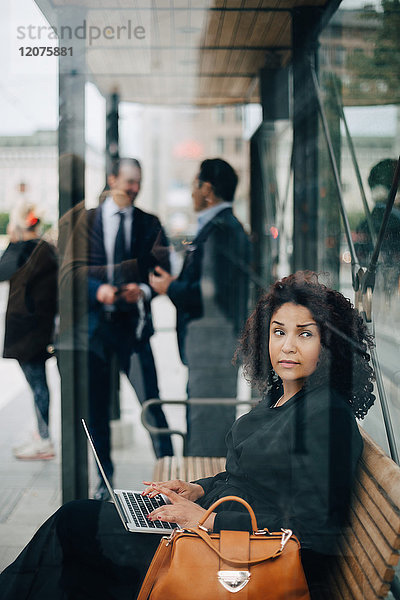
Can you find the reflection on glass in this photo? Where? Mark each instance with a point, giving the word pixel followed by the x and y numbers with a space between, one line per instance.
pixel 359 58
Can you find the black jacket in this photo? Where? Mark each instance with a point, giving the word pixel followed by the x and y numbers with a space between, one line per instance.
pixel 294 464
pixel 31 268
pixel 214 279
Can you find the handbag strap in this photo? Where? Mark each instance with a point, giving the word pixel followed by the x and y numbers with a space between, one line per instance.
pixel 254 525
pixel 255 561
pixel 161 556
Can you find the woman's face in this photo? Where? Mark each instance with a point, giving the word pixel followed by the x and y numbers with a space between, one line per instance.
pixel 294 345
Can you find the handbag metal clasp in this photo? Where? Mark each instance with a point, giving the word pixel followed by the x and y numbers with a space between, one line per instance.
pixel 233 581
pixel 286 535
pixel 172 535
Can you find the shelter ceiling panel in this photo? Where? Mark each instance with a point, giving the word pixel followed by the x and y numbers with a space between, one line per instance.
pixel 261 30
pixel 279 32
pixel 209 95
pixel 187 27
pixel 201 52
pixel 273 30
pixel 172 91
pixel 250 62
pixel 98 4
pixel 245 5
pixel 123 61
pixel 212 31
pixel 228 27
pixel 184 5
pixel 162 29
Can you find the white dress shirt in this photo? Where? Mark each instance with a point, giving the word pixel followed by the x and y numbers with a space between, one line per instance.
pixel 111 220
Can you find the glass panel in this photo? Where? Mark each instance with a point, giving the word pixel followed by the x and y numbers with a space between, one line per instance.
pixel 180 99
pixel 359 58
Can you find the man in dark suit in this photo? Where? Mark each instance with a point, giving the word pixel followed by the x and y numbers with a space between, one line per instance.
pixel 125 243
pixel 211 296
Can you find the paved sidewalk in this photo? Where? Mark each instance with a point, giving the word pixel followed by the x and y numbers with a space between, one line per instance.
pixel 30 491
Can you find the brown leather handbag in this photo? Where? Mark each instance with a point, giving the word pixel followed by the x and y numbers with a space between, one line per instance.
pixel 192 564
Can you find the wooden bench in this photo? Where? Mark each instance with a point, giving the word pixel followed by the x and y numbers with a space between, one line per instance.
pixel 370 544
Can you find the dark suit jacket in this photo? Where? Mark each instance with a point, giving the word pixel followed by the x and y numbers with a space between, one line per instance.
pixel 84 264
pixel 213 283
pixel 148 248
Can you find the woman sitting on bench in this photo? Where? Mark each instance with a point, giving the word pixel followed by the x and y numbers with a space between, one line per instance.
pixel 293 457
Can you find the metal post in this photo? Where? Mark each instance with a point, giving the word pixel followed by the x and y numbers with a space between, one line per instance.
pixel 112 131
pixel 274 91
pixel 112 154
pixel 263 193
pixel 72 352
pixel 305 142
pixel 330 232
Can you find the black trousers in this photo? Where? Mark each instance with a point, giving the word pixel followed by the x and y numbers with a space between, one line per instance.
pixel 112 339
pixel 83 552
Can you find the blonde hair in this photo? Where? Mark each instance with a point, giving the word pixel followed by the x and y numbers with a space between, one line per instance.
pixel 24 217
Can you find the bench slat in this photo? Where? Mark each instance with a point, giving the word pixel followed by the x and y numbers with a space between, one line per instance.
pixel 381 514
pixel 349 580
pixel 354 556
pixel 390 512
pixel 218 464
pixel 344 585
pixel 382 469
pixel 376 550
pixel 187 468
pixel 162 469
pixel 352 576
pixel 365 512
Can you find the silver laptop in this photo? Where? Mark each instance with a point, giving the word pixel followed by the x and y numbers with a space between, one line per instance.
pixel 131 506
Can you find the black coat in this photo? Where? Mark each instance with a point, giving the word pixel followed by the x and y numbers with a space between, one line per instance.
pixel 294 464
pixel 213 284
pixel 31 268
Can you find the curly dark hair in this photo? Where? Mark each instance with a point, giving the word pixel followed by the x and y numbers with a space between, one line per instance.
pixel 345 341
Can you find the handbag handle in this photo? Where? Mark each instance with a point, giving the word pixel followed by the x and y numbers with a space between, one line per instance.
pixel 255 561
pixel 254 525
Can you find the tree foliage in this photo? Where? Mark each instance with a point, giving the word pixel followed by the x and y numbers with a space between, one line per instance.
pixel 382 64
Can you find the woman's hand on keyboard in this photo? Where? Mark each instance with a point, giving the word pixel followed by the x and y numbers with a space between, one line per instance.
pixel 190 491
pixel 180 510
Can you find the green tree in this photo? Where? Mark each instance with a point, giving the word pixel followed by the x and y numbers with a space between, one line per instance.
pixel 381 65
pixel 4 218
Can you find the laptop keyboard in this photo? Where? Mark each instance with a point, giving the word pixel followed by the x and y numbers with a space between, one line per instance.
pixel 139 506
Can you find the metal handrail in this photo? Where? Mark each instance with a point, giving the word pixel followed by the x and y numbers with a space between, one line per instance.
pixel 355 267
pixel 189 402
pixel 355 164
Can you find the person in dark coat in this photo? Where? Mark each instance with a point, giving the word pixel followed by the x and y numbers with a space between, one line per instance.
pixel 380 181
pixel 211 297
pixel 293 457
pixel 30 265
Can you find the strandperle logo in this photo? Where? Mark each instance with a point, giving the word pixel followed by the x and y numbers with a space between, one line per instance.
pixel 129 31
